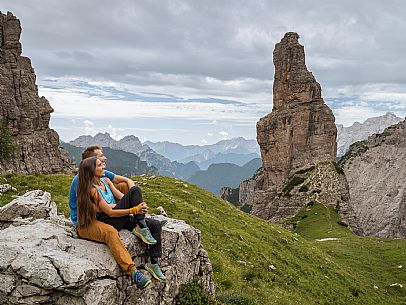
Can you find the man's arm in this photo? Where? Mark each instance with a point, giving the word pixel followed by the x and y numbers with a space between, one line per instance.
pixel 73 201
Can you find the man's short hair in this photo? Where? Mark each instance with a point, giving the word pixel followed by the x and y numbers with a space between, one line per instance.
pixel 90 151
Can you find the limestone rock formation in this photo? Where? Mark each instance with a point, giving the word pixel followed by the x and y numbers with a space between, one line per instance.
pixel 361 131
pixel 376 171
pixel 27 114
pixel 230 194
pixel 43 260
pixel 299 132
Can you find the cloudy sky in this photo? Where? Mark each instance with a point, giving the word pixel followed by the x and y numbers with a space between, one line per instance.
pixel 196 72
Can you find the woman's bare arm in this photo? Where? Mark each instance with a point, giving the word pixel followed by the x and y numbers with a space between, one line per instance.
pixel 107 208
pixel 115 191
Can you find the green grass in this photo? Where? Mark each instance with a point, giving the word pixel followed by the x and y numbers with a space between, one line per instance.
pixel 259 261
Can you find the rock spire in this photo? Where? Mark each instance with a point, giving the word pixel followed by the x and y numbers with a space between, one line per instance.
pixel 26 113
pixel 300 131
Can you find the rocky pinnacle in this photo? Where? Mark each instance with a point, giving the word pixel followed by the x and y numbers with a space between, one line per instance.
pixel 26 113
pixel 300 131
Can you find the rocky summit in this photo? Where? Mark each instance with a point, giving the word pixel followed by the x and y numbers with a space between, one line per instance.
pixel 299 132
pixel 44 262
pixel 376 171
pixel 27 114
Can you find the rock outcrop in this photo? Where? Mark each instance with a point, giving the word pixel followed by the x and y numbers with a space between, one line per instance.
pixel 376 171
pixel 26 113
pixel 361 131
pixel 43 260
pixel 299 132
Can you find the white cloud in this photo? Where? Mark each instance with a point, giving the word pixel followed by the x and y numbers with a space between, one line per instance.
pixel 89 127
pixel 115 133
pixel 223 134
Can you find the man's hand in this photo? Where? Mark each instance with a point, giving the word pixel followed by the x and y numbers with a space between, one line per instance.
pixel 144 208
pixel 141 208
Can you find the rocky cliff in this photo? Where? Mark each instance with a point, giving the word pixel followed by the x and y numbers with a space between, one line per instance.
pixel 376 171
pixel 299 132
pixel 26 114
pixel 361 131
pixel 43 261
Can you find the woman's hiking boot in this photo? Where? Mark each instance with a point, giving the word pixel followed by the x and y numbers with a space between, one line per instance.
pixel 140 280
pixel 155 271
pixel 145 235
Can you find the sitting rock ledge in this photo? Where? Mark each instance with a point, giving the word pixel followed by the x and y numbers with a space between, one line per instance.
pixel 44 261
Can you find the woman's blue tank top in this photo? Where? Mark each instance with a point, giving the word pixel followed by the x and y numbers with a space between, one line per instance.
pixel 107 195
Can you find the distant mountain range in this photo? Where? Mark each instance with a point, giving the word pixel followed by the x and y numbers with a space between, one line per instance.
pixel 361 131
pixel 176 160
pixel 237 151
pixel 207 165
pixel 178 152
pixel 224 174
pixel 118 161
pixel 133 145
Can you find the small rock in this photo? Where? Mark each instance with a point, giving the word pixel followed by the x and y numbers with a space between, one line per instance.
pixel 396 285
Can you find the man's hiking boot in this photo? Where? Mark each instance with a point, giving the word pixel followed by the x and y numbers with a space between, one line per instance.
pixel 145 235
pixel 140 280
pixel 155 271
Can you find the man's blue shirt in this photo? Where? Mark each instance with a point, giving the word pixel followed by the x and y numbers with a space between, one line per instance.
pixel 73 196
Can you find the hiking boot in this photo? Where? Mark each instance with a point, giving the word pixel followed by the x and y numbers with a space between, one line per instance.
pixel 140 280
pixel 145 235
pixel 155 271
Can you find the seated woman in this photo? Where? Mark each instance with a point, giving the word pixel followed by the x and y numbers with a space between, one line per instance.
pixel 91 204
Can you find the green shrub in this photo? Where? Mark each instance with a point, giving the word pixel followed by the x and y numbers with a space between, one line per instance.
pixel 338 168
pixel 304 188
pixel 7 147
pixel 303 171
pixel 229 299
pixel 193 293
pixel 296 180
pixel 246 208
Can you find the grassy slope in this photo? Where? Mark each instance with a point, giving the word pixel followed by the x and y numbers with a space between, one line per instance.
pixel 242 248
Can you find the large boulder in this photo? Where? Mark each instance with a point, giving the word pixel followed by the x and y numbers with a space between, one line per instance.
pixel 44 261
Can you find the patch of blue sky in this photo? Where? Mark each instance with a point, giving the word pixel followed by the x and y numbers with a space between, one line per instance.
pixel 115 93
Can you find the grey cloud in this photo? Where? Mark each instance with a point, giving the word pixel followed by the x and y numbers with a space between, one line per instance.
pixel 347 42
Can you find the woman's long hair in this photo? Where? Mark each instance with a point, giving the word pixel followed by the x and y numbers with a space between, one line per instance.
pixel 85 202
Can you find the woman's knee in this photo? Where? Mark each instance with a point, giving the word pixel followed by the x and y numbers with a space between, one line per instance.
pixel 136 193
pixel 109 233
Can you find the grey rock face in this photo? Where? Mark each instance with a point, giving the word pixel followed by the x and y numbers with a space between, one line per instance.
pixel 27 114
pixel 361 131
pixel 317 184
pixel 376 171
pixel 43 260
